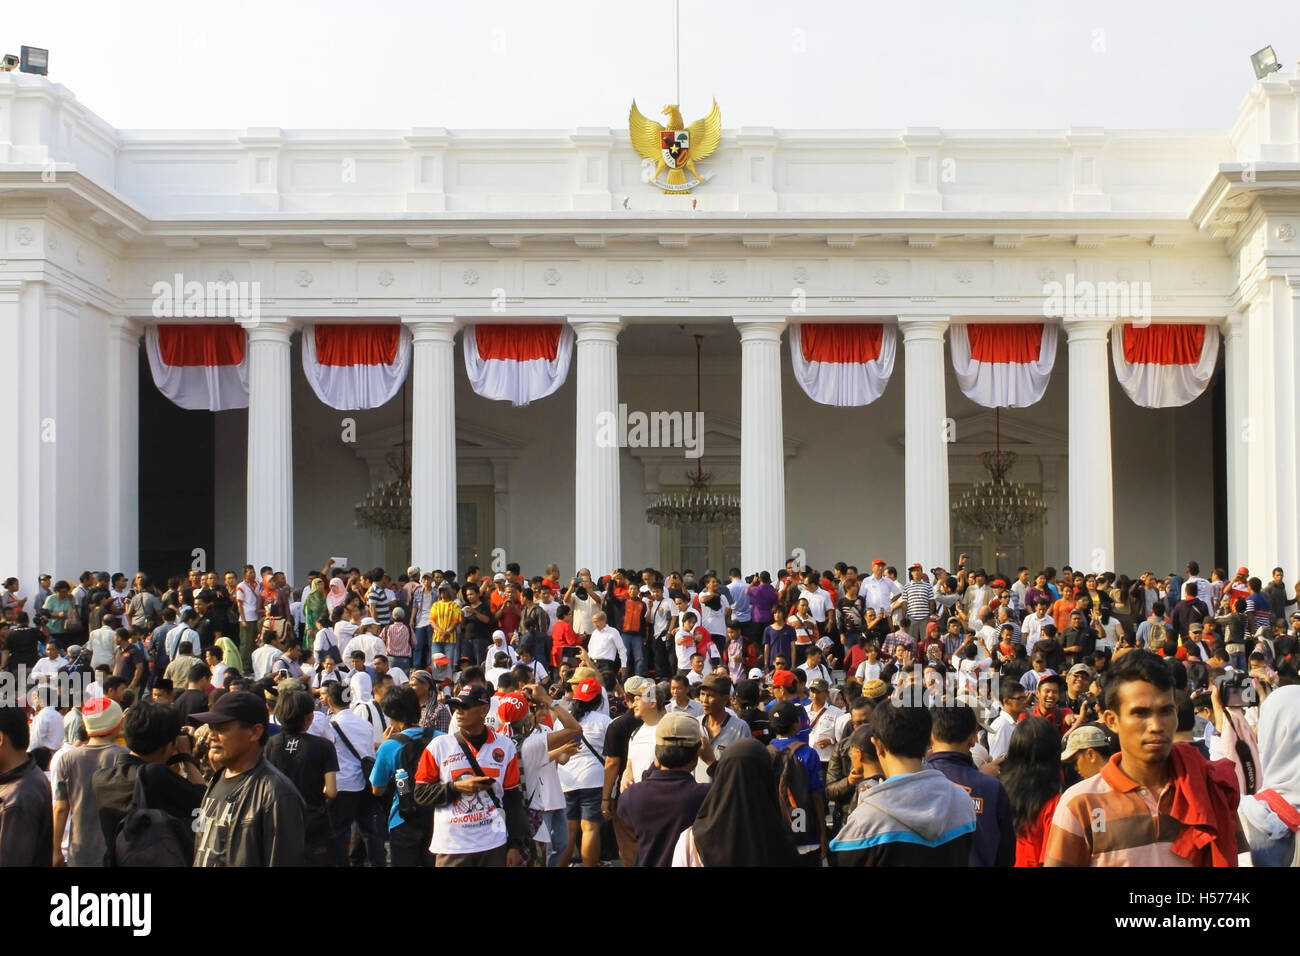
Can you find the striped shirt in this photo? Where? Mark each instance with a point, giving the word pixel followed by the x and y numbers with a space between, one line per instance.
pixel 919 594
pixel 1109 819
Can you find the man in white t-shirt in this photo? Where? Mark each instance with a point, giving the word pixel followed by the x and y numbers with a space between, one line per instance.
pixel 713 619
pixel 648 709
pixel 606 646
pixel 1014 700
pixel 879 592
pixel 819 602
pixel 103 643
pixel 539 772
pixel 821 720
pixel 1031 628
pixel 46 670
pixel 366 641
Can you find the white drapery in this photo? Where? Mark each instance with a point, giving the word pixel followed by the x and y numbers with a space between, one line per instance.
pixel 356 367
pixel 517 363
pixel 1003 365
pixel 1164 366
pixel 845 365
pixel 199 367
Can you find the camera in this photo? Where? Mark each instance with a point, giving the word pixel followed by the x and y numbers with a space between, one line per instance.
pixel 1237 690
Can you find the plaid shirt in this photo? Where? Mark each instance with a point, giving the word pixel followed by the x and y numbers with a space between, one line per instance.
pixel 894 639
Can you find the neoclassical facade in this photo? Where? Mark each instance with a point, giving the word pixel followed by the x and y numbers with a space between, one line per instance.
pixel 918 229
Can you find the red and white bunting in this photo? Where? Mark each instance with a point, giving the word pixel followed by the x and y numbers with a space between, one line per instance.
pixel 356 367
pixel 845 365
pixel 1164 366
pixel 199 367
pixel 1003 365
pixel 517 363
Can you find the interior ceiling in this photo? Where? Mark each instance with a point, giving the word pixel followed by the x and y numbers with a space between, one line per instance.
pixel 720 337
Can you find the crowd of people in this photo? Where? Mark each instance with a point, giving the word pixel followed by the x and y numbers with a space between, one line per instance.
pixel 640 718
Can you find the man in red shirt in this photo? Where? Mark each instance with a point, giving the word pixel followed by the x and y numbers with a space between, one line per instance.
pixel 1050 690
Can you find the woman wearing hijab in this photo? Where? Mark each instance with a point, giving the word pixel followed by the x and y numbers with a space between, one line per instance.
pixel 1031 776
pixel 230 655
pixel 740 822
pixel 1271 816
pixel 315 612
pixel 337 594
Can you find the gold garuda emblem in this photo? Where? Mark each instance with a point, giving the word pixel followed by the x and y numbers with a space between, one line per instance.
pixel 676 148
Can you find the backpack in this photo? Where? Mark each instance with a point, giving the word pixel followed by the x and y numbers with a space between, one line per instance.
pixel 1158 636
pixel 792 790
pixel 152 837
pixel 408 759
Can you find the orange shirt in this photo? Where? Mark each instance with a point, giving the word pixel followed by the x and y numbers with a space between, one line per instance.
pixel 1061 612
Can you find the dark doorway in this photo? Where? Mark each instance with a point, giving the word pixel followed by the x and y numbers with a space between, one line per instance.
pixel 1219 429
pixel 177 483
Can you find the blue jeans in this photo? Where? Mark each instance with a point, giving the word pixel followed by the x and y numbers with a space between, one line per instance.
pixel 635 654
pixel 436 648
pixel 403 663
pixel 420 657
pixel 557 825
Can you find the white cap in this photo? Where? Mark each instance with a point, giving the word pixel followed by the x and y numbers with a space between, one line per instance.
pixel 756 673
pixel 368 622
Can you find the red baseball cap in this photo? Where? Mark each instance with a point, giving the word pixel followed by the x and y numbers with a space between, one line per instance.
pixel 588 689
pixel 783 679
pixel 1243 572
pixel 877 561
pixel 512 708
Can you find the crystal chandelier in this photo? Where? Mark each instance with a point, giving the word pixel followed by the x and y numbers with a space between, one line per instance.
pixel 699 506
pixel 386 508
pixel 998 506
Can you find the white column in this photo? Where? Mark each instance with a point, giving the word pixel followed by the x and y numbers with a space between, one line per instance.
pixel 122 475
pixel 17 496
pixel 597 502
pixel 270 446
pixel 926 504
pixel 762 445
pixel 1092 496
pixel 433 430
pixel 1236 408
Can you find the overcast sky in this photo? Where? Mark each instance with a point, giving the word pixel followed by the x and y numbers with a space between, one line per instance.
pixel 507 64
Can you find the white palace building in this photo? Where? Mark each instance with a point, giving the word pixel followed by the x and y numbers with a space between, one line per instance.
pixel 1119 306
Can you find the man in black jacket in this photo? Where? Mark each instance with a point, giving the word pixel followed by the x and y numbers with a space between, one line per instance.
pixel 252 814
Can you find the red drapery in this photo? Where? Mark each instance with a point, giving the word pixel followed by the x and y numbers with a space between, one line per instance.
pixel 1163 344
pixel 1005 343
pixel 207 345
pixel 356 344
pixel 518 343
pixel 856 342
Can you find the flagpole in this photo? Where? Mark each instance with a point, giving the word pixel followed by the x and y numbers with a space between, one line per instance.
pixel 677 63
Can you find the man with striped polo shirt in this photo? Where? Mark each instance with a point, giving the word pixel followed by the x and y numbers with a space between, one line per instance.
pixel 919 596
pixel 1155 803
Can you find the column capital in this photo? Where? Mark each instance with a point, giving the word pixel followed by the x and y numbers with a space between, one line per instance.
pixel 923 327
pixel 759 328
pixel 1087 330
pixel 1234 325
pixel 429 328
pixel 596 328
pixel 269 328
pixel 124 328
pixel 11 288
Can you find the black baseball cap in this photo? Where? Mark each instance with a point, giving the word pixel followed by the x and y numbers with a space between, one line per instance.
pixel 470 697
